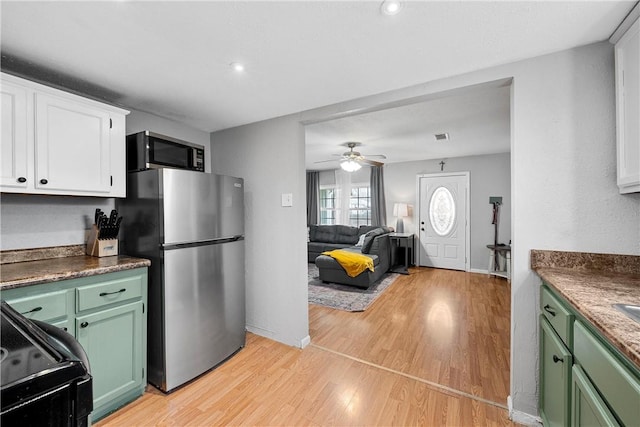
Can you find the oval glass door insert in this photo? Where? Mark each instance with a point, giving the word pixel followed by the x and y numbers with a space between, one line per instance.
pixel 442 211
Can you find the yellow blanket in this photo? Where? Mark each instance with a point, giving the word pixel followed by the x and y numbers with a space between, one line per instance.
pixel 353 263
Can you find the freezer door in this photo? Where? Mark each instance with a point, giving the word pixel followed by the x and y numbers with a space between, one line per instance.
pixel 200 206
pixel 204 309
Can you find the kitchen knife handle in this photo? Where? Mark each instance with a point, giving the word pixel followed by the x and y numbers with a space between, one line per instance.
pixel 102 294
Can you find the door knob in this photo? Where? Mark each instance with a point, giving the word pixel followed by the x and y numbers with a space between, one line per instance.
pixel 22 179
pixel 43 181
pixel 84 324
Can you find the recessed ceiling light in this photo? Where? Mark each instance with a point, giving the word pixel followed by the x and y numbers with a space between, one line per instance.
pixel 391 7
pixel 236 66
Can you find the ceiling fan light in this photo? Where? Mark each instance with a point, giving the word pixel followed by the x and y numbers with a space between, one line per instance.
pixel 350 165
pixel 391 7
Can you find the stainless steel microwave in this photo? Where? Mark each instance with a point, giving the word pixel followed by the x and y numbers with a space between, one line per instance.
pixel 148 150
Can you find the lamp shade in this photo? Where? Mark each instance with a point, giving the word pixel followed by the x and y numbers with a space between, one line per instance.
pixel 400 210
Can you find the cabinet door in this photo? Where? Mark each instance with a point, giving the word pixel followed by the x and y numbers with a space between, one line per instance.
pixel 14 166
pixel 113 341
pixel 588 409
pixel 72 146
pixel 555 377
pixel 627 52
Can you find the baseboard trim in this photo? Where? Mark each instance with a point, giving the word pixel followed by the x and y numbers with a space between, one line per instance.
pixel 305 341
pixel 478 270
pixel 522 417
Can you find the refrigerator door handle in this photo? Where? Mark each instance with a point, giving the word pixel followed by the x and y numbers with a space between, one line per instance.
pixel 207 242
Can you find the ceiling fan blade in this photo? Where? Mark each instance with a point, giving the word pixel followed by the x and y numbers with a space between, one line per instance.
pixel 370 162
pixel 376 156
pixel 325 161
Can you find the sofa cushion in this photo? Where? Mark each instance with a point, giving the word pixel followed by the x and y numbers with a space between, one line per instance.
pixel 346 234
pixel 322 233
pixel 368 239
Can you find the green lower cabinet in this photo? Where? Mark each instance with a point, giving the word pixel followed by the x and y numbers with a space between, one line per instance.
pixel 584 381
pixel 106 315
pixel 555 377
pixel 112 339
pixel 51 307
pixel 588 407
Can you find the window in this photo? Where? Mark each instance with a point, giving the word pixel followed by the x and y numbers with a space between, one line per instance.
pixel 359 202
pixel 360 206
pixel 328 205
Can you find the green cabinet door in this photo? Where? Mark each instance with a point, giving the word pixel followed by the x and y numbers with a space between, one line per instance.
pixel 113 340
pixel 588 407
pixel 555 377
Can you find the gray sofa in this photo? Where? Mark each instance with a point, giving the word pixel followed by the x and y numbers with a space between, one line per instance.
pixel 376 246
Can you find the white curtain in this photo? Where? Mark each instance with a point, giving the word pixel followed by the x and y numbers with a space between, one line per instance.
pixel 343 183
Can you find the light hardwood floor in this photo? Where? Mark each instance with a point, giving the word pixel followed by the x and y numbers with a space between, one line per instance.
pixel 433 350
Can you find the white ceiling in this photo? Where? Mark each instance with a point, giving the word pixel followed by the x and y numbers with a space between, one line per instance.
pixel 172 59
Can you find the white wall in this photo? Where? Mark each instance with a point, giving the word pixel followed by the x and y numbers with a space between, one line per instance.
pixel 270 157
pixel 36 221
pixel 489 175
pixel 563 189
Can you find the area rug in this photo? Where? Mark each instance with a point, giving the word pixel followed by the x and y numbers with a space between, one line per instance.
pixel 342 297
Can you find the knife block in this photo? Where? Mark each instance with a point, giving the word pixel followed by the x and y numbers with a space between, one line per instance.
pixel 100 247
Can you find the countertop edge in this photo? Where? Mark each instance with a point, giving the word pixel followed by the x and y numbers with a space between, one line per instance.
pixel 549 275
pixel 123 263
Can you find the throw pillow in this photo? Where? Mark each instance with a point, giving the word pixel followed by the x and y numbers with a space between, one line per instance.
pixel 368 240
pixel 361 240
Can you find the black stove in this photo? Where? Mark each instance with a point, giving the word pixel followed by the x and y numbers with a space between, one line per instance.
pixel 44 374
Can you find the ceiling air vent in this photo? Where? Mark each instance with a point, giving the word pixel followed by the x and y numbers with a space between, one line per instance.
pixel 442 136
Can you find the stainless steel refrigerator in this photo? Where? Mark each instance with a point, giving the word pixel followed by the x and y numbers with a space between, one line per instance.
pixel 191 226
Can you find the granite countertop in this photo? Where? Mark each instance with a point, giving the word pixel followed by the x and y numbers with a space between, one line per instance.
pixel 31 267
pixel 592 283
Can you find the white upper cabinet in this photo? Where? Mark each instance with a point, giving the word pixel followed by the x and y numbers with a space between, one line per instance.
pixel 627 54
pixel 14 167
pixel 54 142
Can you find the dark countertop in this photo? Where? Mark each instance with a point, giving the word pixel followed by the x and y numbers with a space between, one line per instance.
pixel 33 271
pixel 592 283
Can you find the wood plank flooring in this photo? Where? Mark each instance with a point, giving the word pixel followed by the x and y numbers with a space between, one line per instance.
pixel 432 351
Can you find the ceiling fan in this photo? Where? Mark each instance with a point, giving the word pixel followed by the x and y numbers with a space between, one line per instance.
pixel 351 160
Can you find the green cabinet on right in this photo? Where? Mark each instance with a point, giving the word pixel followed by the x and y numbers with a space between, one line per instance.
pixel 584 380
pixel 588 408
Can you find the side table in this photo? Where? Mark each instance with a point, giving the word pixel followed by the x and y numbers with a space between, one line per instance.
pixel 406 241
pixel 499 253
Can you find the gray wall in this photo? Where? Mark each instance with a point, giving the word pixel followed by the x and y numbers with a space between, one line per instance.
pixel 489 175
pixel 270 157
pixel 36 221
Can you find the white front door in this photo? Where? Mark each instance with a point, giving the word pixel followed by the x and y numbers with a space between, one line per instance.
pixel 443 230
